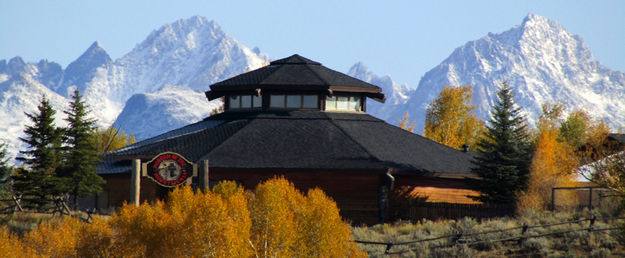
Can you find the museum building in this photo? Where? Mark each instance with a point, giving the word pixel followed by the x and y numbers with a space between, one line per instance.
pixel 298 119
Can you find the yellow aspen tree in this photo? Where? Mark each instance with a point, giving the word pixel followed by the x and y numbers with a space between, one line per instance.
pixel 112 138
pixel 274 228
pixel 405 124
pixel 54 238
pixel 449 119
pixel 552 165
pixel 95 239
pixel 324 234
pixel 12 247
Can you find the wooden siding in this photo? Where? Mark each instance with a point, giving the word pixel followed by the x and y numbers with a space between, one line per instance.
pixel 355 192
pixel 436 189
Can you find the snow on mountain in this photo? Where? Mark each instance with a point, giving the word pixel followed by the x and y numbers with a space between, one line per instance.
pixel 397 95
pixel 166 109
pixel 80 72
pixel 541 61
pixel 191 53
pixel 21 90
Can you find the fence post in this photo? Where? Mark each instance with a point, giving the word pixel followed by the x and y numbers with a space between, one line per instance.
pixel 523 231
pixel 592 223
pixel 553 199
pixel 590 198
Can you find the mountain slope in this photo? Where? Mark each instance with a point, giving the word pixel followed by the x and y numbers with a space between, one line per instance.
pixel 147 114
pixel 191 53
pixel 541 61
pixel 397 95
pixel 20 92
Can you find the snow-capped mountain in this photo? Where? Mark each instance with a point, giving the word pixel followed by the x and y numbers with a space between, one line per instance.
pixel 541 61
pixel 397 95
pixel 161 111
pixel 191 53
pixel 21 89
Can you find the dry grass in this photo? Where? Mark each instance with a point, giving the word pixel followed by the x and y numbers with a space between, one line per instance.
pixel 580 243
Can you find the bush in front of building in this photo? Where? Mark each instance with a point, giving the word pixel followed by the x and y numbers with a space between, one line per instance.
pixel 274 220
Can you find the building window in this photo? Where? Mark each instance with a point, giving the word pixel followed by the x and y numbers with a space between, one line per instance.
pixel 310 101
pixel 234 102
pixel 276 101
pixel 244 101
pixel 351 103
pixel 294 101
pixel 257 101
pixel 354 104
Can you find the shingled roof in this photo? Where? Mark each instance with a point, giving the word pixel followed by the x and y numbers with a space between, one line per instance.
pixel 294 72
pixel 298 140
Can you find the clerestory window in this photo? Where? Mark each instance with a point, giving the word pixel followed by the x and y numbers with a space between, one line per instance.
pixel 244 101
pixel 347 103
pixel 293 101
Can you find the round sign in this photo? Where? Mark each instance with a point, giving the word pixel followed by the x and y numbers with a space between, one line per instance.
pixel 169 169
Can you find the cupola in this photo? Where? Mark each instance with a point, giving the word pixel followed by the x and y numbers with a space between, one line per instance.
pixel 293 83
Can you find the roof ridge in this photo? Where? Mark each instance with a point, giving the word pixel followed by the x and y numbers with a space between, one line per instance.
pixel 317 75
pixel 353 140
pixel 247 123
pixel 270 74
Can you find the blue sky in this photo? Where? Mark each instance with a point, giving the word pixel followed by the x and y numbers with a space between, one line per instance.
pixel 403 39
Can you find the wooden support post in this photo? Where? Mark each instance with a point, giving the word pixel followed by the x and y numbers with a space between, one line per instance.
pixel 204 176
pixel 590 198
pixel 553 199
pixel 135 184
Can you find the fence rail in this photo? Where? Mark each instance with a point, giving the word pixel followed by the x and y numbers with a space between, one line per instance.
pixel 16 204
pixel 457 238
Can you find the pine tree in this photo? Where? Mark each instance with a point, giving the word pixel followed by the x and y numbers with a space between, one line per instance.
pixel 6 171
pixel 38 179
pixel 504 156
pixel 81 152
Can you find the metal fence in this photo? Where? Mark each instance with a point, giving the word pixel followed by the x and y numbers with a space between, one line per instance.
pixel 576 198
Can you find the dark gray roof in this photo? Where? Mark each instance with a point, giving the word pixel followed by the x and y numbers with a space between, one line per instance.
pixel 294 73
pixel 617 137
pixel 299 140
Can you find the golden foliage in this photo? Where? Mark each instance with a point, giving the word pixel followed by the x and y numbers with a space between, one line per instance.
pixel 552 165
pixel 286 223
pixel 273 208
pixel 54 238
pixel 112 138
pixel 405 124
pixel 95 239
pixel 276 220
pixel 448 119
pixel 11 246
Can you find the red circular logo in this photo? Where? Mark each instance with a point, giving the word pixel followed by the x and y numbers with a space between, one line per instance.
pixel 169 169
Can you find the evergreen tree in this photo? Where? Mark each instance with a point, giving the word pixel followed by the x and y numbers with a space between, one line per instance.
pixel 504 153
pixel 38 179
pixel 6 171
pixel 81 152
